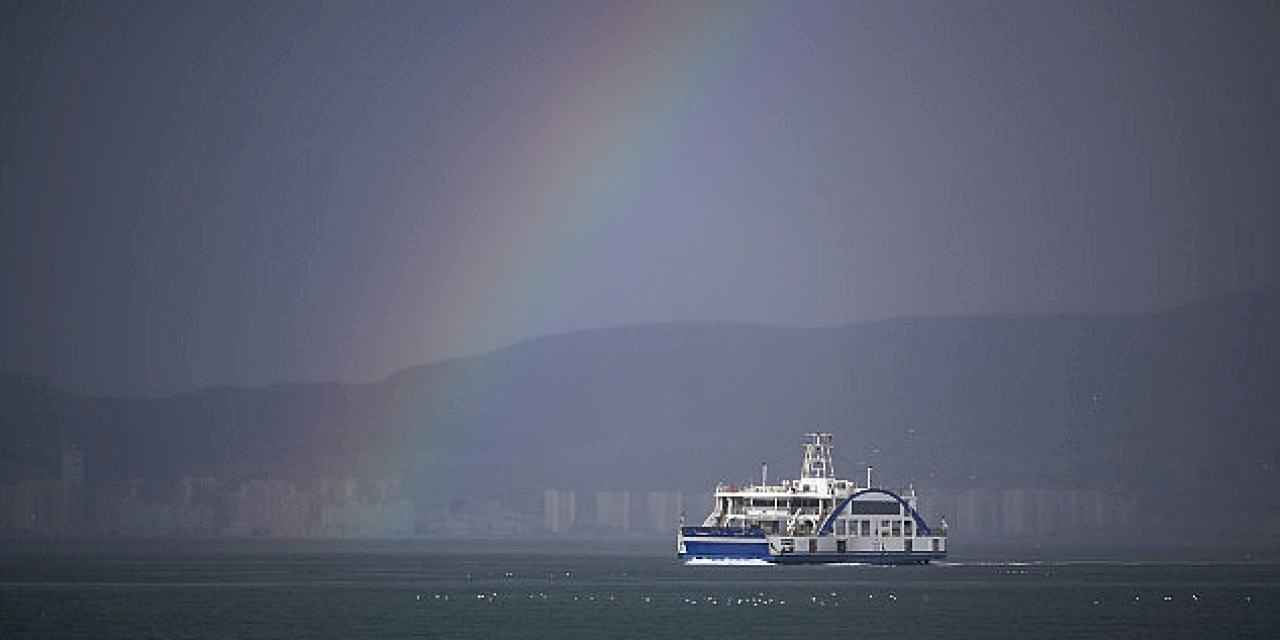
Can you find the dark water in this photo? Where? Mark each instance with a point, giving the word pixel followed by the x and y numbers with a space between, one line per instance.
pixel 418 593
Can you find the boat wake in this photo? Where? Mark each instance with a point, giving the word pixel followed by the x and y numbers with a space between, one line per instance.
pixel 992 563
pixel 727 562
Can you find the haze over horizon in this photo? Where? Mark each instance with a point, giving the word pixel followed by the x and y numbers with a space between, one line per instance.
pixel 199 195
pixel 1264 296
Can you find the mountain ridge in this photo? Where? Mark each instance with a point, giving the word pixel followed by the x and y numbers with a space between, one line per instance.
pixel 1149 404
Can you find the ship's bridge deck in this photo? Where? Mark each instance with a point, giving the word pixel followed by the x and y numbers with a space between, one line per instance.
pixel 797 488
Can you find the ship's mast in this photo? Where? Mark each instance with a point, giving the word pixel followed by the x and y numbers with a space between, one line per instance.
pixel 817 458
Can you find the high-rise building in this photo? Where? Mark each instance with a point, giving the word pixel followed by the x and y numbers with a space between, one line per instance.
pixel 613 510
pixel 663 509
pixel 72 465
pixel 559 510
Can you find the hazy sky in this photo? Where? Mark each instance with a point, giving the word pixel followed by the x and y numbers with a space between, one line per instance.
pixel 238 193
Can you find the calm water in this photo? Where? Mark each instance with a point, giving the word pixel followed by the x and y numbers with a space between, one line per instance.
pixel 390 592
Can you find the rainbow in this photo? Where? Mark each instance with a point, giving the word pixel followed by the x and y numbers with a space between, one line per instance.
pixel 619 108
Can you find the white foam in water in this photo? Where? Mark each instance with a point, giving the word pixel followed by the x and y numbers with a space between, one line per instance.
pixel 728 562
pixel 993 563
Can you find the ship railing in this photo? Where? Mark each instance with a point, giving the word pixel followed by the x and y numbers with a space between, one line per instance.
pixel 767 511
pixel 734 488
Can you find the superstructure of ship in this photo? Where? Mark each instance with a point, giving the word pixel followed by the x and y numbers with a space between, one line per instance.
pixel 816 519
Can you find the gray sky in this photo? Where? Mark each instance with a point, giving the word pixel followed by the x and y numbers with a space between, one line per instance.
pixel 225 193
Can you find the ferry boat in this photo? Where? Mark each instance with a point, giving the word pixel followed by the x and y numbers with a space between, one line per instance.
pixel 816 519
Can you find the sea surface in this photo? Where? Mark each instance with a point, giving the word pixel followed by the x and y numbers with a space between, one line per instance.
pixel 417 591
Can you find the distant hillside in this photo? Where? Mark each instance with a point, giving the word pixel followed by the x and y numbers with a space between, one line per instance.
pixel 1180 408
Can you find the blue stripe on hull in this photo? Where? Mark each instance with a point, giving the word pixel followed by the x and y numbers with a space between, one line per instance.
pixel 694 548
pixel 727 551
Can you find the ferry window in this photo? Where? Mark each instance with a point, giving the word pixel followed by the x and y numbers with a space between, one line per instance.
pixel 840 546
pixel 866 528
pixel 875 507
pixel 906 528
pixel 813 545
pixel 840 527
pixel 897 529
